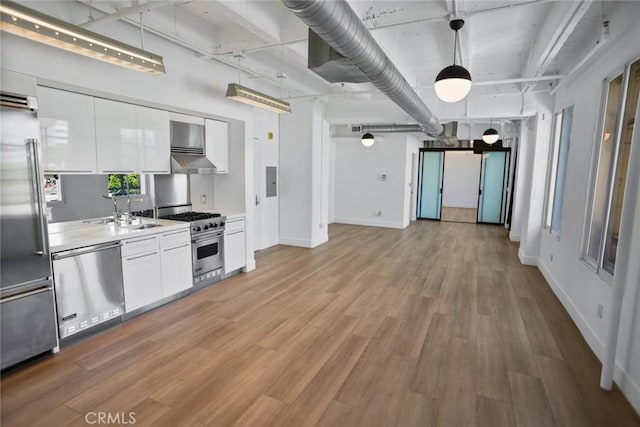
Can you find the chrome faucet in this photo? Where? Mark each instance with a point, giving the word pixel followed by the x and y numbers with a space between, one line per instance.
pixel 116 214
pixel 129 200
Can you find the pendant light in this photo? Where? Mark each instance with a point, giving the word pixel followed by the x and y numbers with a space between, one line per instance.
pixel 453 83
pixel 490 136
pixel 368 139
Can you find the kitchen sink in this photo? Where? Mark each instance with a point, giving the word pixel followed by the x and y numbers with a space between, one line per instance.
pixel 107 220
pixel 144 226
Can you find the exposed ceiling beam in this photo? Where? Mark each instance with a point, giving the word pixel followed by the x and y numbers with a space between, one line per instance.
pixel 200 51
pixel 128 11
pixel 564 26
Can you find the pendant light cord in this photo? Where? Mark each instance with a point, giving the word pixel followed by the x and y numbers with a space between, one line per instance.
pixel 455 47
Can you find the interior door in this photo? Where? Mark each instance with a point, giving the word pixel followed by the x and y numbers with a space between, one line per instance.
pixel 491 200
pixel 430 174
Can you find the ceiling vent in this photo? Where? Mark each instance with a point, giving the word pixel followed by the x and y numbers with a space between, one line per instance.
pixel 330 65
pixel 356 128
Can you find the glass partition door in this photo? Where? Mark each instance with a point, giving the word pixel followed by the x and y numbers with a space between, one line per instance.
pixel 430 173
pixel 491 200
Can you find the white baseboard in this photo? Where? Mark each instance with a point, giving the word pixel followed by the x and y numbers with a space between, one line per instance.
pixel 251 265
pixel 514 237
pixel 629 387
pixel 589 335
pixel 370 223
pixel 303 243
pixel 527 259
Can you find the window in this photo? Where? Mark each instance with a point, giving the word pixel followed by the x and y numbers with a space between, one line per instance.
pixel 611 170
pixel 560 155
pixel 553 168
pixel 123 185
pixel 52 188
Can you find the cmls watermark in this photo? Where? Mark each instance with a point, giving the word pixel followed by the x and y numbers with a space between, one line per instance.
pixel 106 418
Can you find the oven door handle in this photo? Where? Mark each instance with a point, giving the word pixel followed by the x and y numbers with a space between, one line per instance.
pixel 207 239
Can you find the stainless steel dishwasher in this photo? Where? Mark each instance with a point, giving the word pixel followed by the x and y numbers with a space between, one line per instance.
pixel 88 284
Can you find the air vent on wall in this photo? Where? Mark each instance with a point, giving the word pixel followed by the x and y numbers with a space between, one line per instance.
pixel 356 128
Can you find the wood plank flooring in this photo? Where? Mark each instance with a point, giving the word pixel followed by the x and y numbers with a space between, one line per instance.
pixel 458 215
pixel 435 325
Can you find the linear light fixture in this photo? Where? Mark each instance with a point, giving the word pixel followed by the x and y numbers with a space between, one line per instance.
pixel 257 99
pixel 22 21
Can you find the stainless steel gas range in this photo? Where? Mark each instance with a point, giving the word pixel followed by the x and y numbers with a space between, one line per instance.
pixel 207 236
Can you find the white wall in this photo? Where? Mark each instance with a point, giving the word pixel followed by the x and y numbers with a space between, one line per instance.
pixel 304 176
pixel 361 192
pixel 536 156
pixel 267 153
pixel 578 286
pixel 461 179
pixel 414 143
pixel 187 86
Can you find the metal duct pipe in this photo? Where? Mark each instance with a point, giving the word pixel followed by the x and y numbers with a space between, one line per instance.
pixel 339 26
pixel 389 128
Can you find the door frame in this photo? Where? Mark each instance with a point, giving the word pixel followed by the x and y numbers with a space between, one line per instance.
pixel 505 177
pixel 419 192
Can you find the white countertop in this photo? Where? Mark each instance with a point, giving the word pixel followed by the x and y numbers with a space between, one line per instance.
pixel 75 234
pixel 230 215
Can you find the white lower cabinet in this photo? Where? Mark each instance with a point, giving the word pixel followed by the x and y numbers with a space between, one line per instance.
pixel 141 274
pixel 155 267
pixel 234 245
pixel 177 274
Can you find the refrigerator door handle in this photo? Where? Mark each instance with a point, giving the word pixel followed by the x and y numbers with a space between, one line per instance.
pixel 39 190
pixel 24 295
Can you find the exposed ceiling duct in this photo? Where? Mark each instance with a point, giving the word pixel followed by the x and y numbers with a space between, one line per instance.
pixel 339 26
pixel 448 136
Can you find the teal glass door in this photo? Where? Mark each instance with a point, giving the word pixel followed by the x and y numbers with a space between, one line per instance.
pixel 491 201
pixel 430 175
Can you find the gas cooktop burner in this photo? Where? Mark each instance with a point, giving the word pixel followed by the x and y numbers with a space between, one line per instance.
pixel 191 216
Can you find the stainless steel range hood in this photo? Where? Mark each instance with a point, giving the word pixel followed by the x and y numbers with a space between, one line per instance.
pixel 187 149
pixel 191 163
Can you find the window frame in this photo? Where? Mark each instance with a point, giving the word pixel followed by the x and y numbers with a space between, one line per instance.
pixel 552 168
pixel 597 265
pixel 553 164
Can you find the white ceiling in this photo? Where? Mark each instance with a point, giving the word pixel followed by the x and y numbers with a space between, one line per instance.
pixel 500 40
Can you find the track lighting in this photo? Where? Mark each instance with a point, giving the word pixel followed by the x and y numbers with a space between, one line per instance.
pixel 24 22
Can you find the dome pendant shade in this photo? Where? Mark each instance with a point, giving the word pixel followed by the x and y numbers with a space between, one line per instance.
pixel 453 83
pixel 368 139
pixel 490 136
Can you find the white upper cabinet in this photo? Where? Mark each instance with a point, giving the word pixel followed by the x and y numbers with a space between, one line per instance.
pixel 216 134
pixel 116 136
pixel 153 140
pixel 67 129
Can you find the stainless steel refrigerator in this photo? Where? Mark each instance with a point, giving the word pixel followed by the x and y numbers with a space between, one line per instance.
pixel 28 322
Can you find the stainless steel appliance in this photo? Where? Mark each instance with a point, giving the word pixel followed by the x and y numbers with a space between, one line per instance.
pixel 27 315
pixel 188 148
pixel 207 237
pixel 89 288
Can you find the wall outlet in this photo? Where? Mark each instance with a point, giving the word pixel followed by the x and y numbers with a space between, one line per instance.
pixel 379 213
pixel 600 310
pixel 203 199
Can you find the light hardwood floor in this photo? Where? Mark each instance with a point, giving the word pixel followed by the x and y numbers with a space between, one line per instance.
pixel 458 215
pixel 434 325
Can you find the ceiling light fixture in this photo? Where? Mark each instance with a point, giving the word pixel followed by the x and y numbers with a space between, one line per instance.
pixel 453 83
pixel 257 99
pixel 24 22
pixel 490 136
pixel 368 139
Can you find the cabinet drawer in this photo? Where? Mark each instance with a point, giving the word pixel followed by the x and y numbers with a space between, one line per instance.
pixel 139 245
pixel 174 238
pixel 235 224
